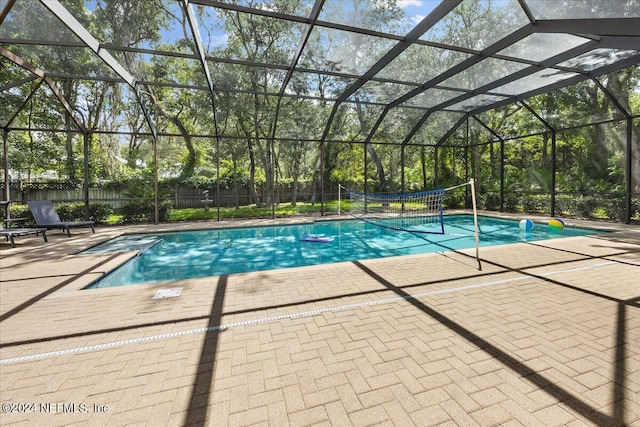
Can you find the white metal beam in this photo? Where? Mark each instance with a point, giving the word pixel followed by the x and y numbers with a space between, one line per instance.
pixel 90 41
pixel 40 73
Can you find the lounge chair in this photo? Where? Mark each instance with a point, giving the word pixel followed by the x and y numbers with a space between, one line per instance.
pixel 46 216
pixel 12 233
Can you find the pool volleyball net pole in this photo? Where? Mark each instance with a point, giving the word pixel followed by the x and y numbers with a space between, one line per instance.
pixel 420 212
pixel 475 221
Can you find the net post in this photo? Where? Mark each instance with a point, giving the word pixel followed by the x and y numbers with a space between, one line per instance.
pixel 475 221
pixel 442 212
pixel 339 199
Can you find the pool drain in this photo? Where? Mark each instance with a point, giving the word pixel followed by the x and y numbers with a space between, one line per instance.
pixel 167 293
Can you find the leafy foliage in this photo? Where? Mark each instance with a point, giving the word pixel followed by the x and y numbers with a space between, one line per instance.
pixel 247 116
pixel 137 211
pixel 98 212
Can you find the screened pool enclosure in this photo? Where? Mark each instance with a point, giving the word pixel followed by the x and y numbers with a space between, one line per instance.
pixel 226 103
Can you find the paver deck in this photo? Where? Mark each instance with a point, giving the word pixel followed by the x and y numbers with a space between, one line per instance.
pixel 547 333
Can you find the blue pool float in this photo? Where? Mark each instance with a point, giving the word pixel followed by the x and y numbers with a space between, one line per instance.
pixel 317 238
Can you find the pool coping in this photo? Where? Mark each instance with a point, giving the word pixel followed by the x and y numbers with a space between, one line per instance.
pixel 113 232
pixel 82 283
pixel 421 339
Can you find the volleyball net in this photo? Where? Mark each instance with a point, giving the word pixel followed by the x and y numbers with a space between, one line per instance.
pixel 415 212
pixel 419 212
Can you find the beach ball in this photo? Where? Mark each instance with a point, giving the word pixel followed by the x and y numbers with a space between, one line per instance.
pixel 556 223
pixel 526 225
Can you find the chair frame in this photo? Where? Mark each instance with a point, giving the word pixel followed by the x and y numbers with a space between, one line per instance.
pixel 11 233
pixel 46 216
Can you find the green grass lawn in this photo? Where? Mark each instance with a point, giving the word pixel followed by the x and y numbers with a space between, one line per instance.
pixel 251 211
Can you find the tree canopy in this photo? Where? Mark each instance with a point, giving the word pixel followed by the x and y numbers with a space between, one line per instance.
pixel 250 92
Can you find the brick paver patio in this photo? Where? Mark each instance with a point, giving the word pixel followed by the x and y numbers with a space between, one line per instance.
pixel 547 333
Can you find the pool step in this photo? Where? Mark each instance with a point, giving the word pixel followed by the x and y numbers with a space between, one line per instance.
pixel 125 244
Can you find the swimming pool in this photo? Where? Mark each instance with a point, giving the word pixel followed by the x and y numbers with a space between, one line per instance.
pixel 215 252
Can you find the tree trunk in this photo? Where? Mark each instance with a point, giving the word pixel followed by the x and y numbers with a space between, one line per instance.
pixel 618 84
pixel 315 178
pixel 236 193
pixel 268 172
pixel 296 173
pixel 294 191
pixel 70 162
pixel 190 165
pixel 252 173
pixel 379 168
pixel 423 164
pixel 477 155
pixel 599 163
pixel 369 147
pixel 601 151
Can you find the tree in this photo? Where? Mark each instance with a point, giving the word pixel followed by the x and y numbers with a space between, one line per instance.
pixel 263 40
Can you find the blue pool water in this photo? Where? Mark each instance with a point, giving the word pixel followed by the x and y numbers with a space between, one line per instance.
pixel 184 255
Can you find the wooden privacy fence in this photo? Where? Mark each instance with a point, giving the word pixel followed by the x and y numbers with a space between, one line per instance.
pixel 179 196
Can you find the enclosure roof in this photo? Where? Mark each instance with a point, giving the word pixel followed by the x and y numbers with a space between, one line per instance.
pixel 407 61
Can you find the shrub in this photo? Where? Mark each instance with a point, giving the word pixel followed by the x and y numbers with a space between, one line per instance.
pixel 615 208
pixel 566 205
pixel 144 211
pixel 70 211
pixel 511 202
pixel 490 202
pixel 98 212
pixel 585 206
pixel 453 201
pixel 20 211
pixel 536 203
